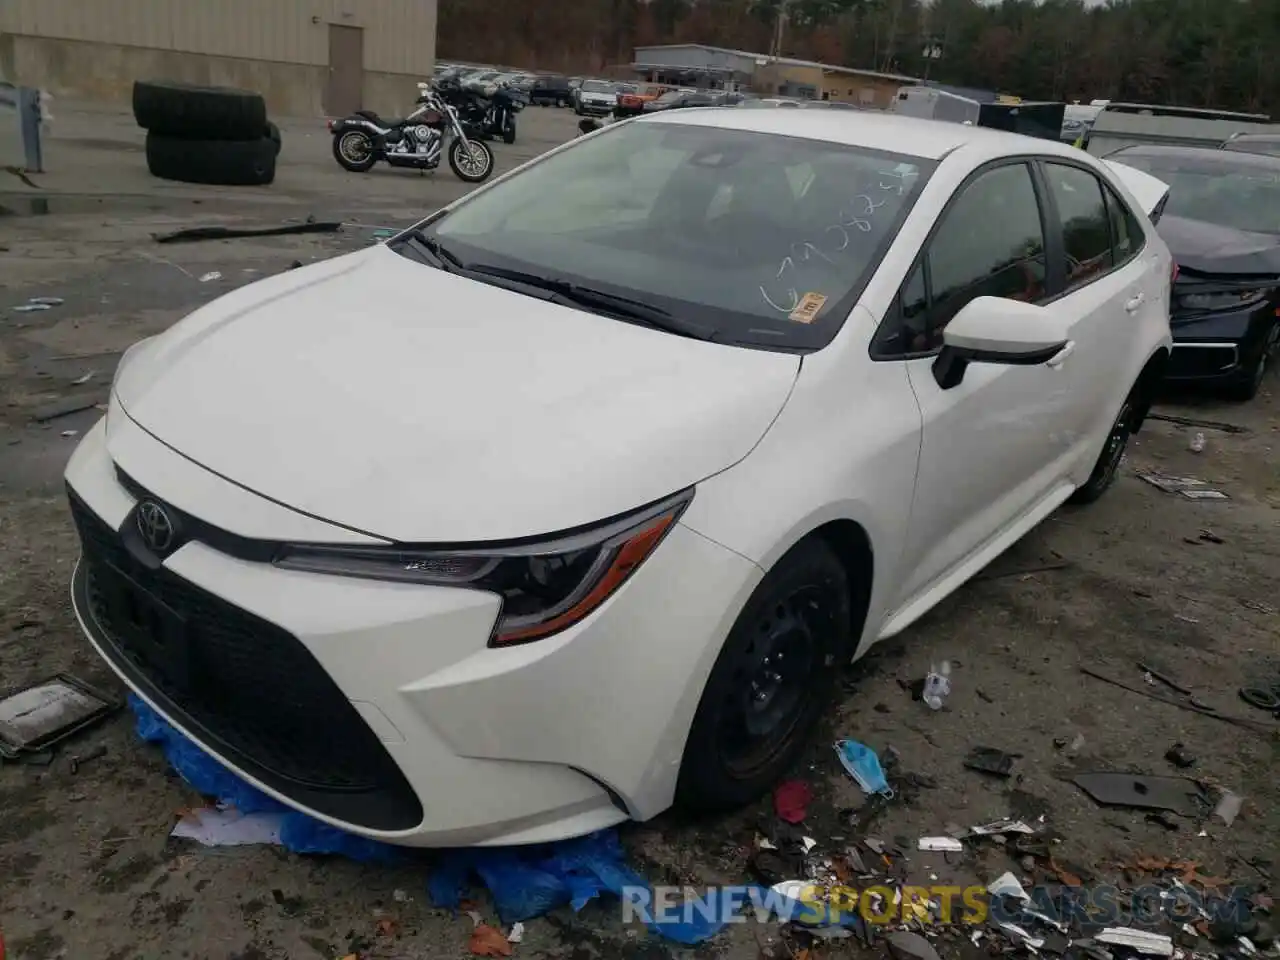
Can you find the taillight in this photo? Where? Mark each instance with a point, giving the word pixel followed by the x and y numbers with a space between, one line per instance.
pixel 1173 272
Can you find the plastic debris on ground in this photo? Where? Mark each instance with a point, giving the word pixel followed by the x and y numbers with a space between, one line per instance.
pixel 298 832
pixel 1188 487
pixel 937 686
pixel 38 717
pixel 791 800
pixel 527 882
pixel 862 764
pixel 229 827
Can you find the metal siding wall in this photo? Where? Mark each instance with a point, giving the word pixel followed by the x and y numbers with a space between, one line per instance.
pixel 399 34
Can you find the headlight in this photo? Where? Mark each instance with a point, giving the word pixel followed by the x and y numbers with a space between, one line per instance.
pixel 545 586
pixel 1224 299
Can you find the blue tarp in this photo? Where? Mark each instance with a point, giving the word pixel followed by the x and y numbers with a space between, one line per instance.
pixel 524 882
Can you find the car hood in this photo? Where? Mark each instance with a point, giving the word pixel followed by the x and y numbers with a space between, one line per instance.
pixel 415 405
pixel 1202 247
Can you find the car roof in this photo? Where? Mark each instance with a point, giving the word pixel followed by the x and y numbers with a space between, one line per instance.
pixel 923 138
pixel 1256 137
pixel 1206 155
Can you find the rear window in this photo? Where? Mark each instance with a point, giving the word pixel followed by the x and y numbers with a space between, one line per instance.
pixel 767 239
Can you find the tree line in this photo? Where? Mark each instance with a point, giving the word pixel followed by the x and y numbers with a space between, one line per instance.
pixel 1198 53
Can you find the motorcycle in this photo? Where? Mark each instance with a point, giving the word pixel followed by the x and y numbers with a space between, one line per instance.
pixel 491 109
pixel 364 138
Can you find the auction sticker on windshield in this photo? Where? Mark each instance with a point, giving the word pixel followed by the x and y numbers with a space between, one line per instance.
pixel 806 310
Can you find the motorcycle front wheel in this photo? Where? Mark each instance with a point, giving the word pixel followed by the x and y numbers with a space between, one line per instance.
pixel 471 162
pixel 353 149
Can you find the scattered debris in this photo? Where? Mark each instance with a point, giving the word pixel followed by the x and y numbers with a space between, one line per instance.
pixel 1192 705
pixel 487 941
pixel 1007 885
pixel 937 686
pixel 211 275
pixel 1024 571
pixel 999 828
pixel 229 827
pixel 192 234
pixel 1197 443
pixel 1162 819
pixel 945 844
pixel 1195 422
pixel 1140 941
pixel 1228 807
pixel 1142 792
pixel 31 307
pixel 67 405
pixel 791 801
pixel 1188 487
pixel 39 716
pixel 1264 698
pixel 69 433
pixel 80 760
pixel 990 760
pixel 81 380
pixel 516 934
pixel 862 764
pixel 1208 536
pixel 905 945
pixel 1179 757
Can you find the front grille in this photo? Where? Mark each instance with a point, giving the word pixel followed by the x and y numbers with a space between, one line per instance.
pixel 243 685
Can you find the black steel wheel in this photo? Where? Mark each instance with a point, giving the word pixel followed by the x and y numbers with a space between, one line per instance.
pixel 772 681
pixel 1107 468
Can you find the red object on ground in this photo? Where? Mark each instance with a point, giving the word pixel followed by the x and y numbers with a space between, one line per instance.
pixel 791 800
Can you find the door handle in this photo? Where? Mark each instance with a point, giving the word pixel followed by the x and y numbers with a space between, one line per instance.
pixel 1134 303
pixel 1059 358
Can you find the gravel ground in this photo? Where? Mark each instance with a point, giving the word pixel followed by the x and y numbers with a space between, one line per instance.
pixel 87 869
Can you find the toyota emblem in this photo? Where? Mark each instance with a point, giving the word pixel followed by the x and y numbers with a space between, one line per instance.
pixel 155 526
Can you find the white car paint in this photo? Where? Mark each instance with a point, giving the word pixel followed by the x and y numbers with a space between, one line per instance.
pixel 301 410
pixel 1147 190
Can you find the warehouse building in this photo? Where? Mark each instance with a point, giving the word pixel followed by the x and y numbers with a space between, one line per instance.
pixel 696 64
pixel 306 57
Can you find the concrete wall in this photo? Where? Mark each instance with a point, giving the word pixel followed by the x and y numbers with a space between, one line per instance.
pixel 95 49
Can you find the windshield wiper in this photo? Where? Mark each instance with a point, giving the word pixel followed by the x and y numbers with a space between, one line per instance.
pixel 446 258
pixel 624 308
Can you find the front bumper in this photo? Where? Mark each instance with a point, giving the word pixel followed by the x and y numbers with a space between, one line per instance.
pixel 378 707
pixel 595 109
pixel 1219 348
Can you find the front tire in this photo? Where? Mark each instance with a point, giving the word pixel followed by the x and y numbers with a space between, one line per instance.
pixel 771 683
pixel 1107 468
pixel 472 162
pixel 353 149
pixel 1245 389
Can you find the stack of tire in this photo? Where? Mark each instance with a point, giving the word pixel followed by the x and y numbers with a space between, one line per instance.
pixel 214 135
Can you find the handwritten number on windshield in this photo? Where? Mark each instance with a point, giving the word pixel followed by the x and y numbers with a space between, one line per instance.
pixel 780 293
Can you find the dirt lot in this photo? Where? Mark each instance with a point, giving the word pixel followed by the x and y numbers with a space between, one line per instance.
pixel 87 869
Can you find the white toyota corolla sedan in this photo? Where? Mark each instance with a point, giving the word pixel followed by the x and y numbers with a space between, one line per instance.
pixel 568 503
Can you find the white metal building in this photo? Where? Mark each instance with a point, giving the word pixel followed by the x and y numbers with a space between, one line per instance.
pixel 307 57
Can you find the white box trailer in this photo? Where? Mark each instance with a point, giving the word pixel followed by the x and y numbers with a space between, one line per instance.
pixel 935 105
pixel 1129 124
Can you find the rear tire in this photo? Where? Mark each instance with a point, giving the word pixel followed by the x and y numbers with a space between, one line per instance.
pixel 230 163
pixel 771 683
pixel 353 149
pixel 1107 467
pixel 204 113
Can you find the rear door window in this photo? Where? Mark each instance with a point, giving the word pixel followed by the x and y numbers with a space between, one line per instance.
pixel 1086 225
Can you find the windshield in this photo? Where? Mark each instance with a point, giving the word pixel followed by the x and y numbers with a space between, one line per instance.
pixel 1243 197
pixel 596 86
pixel 766 239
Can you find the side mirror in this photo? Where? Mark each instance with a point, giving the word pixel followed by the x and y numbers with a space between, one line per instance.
pixel 995 330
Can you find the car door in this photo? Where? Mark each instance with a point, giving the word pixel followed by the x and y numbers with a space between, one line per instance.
pixel 991 446
pixel 1107 285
